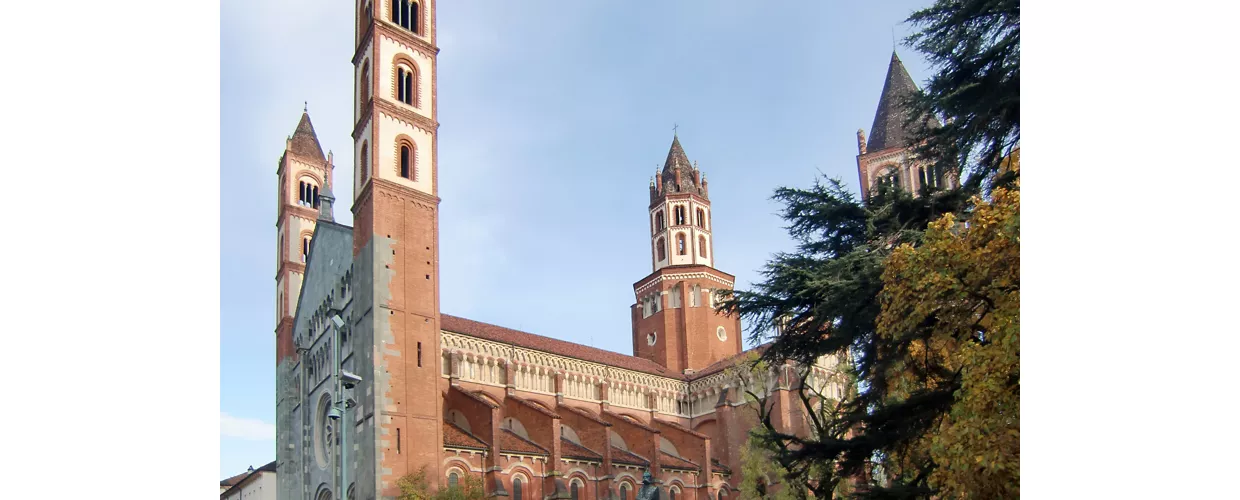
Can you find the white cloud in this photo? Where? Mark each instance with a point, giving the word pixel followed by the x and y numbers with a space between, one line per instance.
pixel 246 428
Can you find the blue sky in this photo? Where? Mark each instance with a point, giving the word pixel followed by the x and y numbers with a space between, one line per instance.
pixel 553 115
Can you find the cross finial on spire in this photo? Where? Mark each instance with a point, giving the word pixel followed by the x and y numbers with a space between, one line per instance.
pixel 674 127
pixel 305 106
pixel 893 38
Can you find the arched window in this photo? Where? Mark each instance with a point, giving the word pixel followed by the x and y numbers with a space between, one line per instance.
pixel 573 491
pixel 404 84
pixel 702 246
pixel 414 14
pixel 405 14
pixel 680 215
pixel 658 220
pixel 453 480
pixel 931 177
pixel 889 177
pixel 363 166
pixel 307 194
pixel 305 248
pixel 723 493
pixel 701 218
pixel 672 493
pixel 624 492
pixel 680 243
pixel 363 19
pixel 363 87
pixel 662 251
pixel 516 488
pixel 406 162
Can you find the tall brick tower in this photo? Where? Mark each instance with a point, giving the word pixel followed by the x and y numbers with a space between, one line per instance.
pixel 888 156
pixel 674 323
pixel 302 173
pixel 396 232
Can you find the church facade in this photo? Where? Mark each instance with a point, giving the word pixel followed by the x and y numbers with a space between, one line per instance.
pixel 532 417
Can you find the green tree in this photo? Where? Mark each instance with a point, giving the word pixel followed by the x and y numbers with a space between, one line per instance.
pixel 416 486
pixel 974 46
pixel 889 437
pixel 762 477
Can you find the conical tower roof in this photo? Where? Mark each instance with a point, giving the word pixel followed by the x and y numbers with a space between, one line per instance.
pixel 890 129
pixel 304 142
pixel 679 175
pixel 676 158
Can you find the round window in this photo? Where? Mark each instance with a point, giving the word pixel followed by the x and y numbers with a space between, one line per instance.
pixel 652 338
pixel 721 333
pixel 324 433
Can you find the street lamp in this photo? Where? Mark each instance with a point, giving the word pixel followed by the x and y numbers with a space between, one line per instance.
pixel 343 380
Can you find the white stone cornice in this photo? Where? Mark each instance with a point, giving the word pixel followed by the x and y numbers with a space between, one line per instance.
pixel 683 276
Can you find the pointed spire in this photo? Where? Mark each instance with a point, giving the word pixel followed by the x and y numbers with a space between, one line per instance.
pixel 304 142
pixel 678 170
pixel 676 157
pixel 325 203
pixel 889 129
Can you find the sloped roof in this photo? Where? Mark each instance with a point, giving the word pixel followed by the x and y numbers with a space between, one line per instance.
pixel 569 449
pixel 584 413
pixel 889 129
pixel 457 437
pixel 631 421
pixel 235 479
pixel 627 457
pixel 304 141
pixel 682 428
pixel 554 346
pixel 669 460
pixel 533 406
pixel 512 443
pixel 678 162
pixel 233 482
pixel 676 157
pixel 716 466
pixel 477 396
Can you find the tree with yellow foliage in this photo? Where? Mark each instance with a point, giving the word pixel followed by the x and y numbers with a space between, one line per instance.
pixel 951 319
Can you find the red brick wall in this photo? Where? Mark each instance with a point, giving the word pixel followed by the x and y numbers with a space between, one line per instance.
pixel 402 227
pixel 687 335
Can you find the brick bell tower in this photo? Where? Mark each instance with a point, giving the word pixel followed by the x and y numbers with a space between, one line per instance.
pixel 674 322
pixel 302 173
pixel 396 231
pixel 888 156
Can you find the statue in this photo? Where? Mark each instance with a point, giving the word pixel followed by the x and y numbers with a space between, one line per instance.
pixel 649 489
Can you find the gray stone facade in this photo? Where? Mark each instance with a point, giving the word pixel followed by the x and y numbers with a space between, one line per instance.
pixel 307 441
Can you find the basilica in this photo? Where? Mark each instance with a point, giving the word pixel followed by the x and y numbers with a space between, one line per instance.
pixel 457 400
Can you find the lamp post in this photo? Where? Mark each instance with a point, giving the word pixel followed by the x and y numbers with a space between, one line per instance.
pixel 340 405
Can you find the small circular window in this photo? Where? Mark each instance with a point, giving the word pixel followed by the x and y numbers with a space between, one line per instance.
pixel 721 333
pixel 652 338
